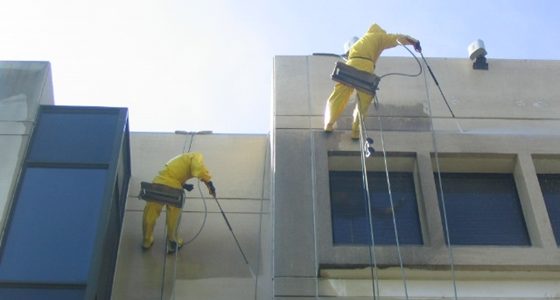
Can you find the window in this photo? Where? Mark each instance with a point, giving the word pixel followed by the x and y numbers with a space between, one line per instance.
pixel 547 167
pixel 482 209
pixel 550 187
pixel 349 210
pixel 57 247
pixel 349 217
pixel 85 141
pixel 64 225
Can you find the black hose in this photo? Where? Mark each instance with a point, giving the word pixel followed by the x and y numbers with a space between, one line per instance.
pixel 437 84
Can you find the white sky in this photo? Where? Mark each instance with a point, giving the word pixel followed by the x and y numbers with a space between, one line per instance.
pixel 207 65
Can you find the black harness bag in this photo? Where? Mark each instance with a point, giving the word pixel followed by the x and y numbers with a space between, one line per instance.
pixel 358 79
pixel 162 194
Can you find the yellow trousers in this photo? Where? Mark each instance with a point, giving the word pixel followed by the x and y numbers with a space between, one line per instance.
pixel 152 210
pixel 337 102
pixel 341 95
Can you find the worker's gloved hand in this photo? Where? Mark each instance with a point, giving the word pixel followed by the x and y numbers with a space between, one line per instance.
pixel 211 188
pixel 417 47
pixel 188 187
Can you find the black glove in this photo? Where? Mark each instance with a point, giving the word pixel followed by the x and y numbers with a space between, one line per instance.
pixel 417 47
pixel 211 188
pixel 188 187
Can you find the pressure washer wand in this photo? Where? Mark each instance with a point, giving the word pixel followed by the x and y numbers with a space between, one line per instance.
pixel 437 84
pixel 233 234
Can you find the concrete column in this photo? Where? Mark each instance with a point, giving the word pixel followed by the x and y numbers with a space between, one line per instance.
pixel 532 201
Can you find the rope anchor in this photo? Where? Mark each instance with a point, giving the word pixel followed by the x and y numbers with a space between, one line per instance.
pixel 368 148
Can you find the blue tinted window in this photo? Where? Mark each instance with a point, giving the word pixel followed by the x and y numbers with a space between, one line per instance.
pixel 550 186
pixel 349 210
pixel 42 293
pixel 483 209
pixel 53 226
pixel 74 137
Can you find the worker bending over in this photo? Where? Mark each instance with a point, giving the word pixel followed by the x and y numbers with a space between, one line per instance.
pixel 174 174
pixel 362 55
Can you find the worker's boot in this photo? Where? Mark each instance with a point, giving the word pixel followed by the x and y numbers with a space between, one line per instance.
pixel 147 244
pixel 174 246
pixel 355 135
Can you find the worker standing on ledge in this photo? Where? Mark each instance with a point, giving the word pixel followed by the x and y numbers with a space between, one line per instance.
pixel 174 174
pixel 362 55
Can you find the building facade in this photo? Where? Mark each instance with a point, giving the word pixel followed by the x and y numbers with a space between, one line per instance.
pixel 471 193
pixel 463 196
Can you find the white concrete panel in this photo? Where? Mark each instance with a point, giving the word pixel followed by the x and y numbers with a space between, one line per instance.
pixel 443 289
pixel 149 152
pixel 291 83
pixel 215 288
pixel 14 108
pixel 23 87
pixel 212 255
pixel 509 89
pixel 321 85
pixel 236 162
pixel 15 128
pixel 407 96
pixel 239 165
pixel 11 152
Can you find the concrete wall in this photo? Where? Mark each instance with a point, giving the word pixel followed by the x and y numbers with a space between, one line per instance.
pixel 506 120
pixel 23 87
pixel 211 266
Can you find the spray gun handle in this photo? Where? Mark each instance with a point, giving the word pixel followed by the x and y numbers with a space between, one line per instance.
pixel 417 47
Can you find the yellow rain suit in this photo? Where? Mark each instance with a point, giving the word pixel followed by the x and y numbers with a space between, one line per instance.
pixel 178 170
pixel 362 56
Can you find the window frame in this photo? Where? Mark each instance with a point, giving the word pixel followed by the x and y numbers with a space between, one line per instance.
pixel 342 256
pixel 435 253
pixel 398 163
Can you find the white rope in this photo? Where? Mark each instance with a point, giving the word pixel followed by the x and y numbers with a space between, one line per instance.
pixel 259 250
pixel 403 273
pixel 371 248
pixel 179 223
pixel 313 194
pixel 440 185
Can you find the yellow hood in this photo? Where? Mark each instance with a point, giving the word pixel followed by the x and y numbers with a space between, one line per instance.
pixel 376 29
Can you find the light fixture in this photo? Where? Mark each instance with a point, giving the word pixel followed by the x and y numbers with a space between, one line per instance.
pixel 477 53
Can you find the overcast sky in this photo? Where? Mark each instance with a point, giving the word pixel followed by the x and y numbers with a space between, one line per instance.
pixel 207 65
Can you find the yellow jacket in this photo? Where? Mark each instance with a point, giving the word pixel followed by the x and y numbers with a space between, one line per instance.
pixel 365 52
pixel 182 168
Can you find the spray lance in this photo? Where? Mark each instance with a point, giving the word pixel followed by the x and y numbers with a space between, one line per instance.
pixel 212 191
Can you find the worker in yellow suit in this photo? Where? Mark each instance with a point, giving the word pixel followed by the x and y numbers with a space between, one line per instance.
pixel 174 174
pixel 362 55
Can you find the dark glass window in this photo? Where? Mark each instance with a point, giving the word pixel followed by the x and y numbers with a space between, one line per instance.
pixel 350 221
pixel 482 209
pixel 64 223
pixel 54 225
pixel 43 293
pixel 550 186
pixel 64 137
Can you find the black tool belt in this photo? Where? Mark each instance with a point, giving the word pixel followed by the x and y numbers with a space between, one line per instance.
pixel 162 194
pixel 358 79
